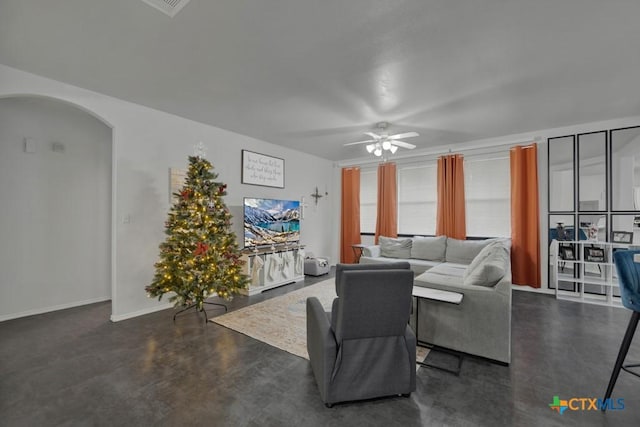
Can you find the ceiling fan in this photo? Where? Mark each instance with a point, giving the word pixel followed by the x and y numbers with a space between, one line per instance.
pixel 382 141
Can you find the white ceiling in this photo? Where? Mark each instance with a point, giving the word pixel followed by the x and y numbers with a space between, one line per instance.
pixel 315 74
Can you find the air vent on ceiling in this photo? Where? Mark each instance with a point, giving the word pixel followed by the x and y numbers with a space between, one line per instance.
pixel 169 7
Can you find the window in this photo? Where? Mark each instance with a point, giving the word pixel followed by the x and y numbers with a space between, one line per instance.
pixel 417 194
pixel 487 192
pixel 488 196
pixel 368 200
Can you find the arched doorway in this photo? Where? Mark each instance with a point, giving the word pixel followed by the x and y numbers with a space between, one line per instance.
pixel 55 224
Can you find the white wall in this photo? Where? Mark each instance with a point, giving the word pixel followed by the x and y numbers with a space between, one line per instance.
pixel 146 143
pixel 55 222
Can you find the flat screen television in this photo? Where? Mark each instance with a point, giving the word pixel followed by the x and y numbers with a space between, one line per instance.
pixel 271 222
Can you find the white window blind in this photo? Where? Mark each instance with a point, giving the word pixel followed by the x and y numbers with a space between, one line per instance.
pixel 417 194
pixel 487 193
pixel 488 196
pixel 368 200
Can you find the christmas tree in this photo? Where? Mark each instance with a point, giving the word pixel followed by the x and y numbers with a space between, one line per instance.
pixel 200 257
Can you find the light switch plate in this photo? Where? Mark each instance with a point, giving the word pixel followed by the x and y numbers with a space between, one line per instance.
pixel 29 145
pixel 636 258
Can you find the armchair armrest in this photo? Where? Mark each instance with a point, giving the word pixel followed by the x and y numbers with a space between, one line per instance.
pixel 472 292
pixel 371 251
pixel 321 345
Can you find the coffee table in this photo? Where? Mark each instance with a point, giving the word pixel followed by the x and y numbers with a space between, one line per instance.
pixel 446 297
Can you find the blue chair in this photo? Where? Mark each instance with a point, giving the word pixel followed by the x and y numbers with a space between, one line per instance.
pixel 629 278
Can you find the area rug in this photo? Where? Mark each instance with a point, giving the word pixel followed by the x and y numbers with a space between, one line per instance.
pixel 282 321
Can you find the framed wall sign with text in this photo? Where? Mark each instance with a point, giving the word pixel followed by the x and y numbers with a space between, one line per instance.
pixel 622 237
pixel 594 254
pixel 260 169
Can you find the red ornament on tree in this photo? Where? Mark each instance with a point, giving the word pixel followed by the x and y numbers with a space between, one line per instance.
pixel 185 194
pixel 201 249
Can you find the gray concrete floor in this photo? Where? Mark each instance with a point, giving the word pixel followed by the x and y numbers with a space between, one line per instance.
pixel 75 367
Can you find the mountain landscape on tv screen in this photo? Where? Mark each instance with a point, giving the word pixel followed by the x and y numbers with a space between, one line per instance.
pixel 271 222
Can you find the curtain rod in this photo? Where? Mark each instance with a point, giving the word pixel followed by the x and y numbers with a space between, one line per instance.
pixel 427 155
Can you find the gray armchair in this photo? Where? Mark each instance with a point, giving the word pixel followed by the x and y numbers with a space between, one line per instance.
pixel 364 348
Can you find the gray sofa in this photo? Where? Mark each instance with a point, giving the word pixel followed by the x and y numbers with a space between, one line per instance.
pixel 364 348
pixel 478 269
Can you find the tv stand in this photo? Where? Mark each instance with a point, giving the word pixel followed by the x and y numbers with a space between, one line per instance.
pixel 269 268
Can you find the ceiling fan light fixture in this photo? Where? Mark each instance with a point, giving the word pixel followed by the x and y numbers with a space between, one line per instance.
pixel 382 141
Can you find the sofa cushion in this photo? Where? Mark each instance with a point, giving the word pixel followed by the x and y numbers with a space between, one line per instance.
pixel 394 248
pixel 441 280
pixel 489 266
pixel 372 250
pixel 418 266
pixel 429 248
pixel 464 251
pixel 449 269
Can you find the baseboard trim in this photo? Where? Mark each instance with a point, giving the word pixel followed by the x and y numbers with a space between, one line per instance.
pixel 533 290
pixel 131 315
pixel 43 310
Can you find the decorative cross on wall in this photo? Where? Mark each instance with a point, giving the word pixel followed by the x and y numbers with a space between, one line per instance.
pixel 316 196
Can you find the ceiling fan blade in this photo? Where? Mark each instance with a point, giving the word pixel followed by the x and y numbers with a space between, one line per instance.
pixel 373 135
pixel 360 142
pixel 403 144
pixel 404 135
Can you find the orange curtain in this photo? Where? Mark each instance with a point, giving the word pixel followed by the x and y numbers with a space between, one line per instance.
pixel 525 216
pixel 350 214
pixel 387 217
pixel 451 216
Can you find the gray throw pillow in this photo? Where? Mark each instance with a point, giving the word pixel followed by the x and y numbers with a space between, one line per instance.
pixel 464 251
pixel 395 248
pixel 429 248
pixel 489 266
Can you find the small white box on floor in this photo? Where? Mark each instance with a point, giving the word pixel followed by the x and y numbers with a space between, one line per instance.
pixel 316 266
